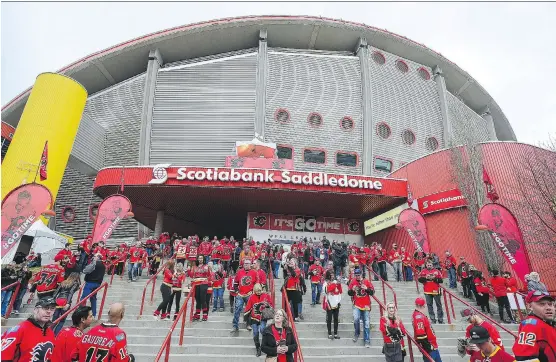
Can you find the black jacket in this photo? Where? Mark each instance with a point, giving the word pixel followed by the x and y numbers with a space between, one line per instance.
pixel 268 344
pixel 94 273
pixel 9 276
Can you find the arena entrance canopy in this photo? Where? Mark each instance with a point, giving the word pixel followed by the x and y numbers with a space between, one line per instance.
pixel 215 201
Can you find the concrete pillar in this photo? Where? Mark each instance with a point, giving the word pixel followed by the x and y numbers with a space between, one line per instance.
pixel 490 124
pixel 441 88
pixel 159 224
pixel 260 89
pixel 155 62
pixel 362 51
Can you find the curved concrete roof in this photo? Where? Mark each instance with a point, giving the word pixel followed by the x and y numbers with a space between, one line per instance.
pixel 120 62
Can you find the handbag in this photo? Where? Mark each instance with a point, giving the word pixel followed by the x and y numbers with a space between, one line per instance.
pixel 267 313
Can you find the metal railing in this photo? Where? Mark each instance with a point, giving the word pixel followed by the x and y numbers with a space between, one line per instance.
pixel 298 355
pixel 453 296
pixel 182 314
pixel 410 339
pixel 84 301
pixel 13 297
pixel 384 285
pixel 153 281
pixel 114 267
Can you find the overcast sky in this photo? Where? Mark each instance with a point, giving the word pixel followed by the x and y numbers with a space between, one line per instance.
pixel 510 48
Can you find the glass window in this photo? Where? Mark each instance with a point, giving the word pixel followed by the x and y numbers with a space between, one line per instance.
pixel 284 152
pixel 5 144
pixel 383 165
pixel 346 159
pixel 314 156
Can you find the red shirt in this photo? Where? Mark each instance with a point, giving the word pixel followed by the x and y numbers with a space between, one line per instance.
pixel 431 286
pixel 217 253
pixel 499 286
pixel 361 297
pixel 28 342
pixel 245 281
pixel 499 355
pixel 105 342
pixel 205 248
pixel 177 281
pixel 191 252
pixel 168 275
pixel 63 254
pixel 48 278
pixel 256 304
pixel 450 262
pixel 180 250
pixel 422 329
pixel 135 254
pixel 406 258
pixel 261 277
pixel 102 251
pixel 226 252
pixel 511 284
pixel 493 332
pixel 86 245
pixel 230 286
pixel 65 343
pixel 293 282
pixel 395 255
pixel 200 275
pixel 382 255
pixel 384 323
pixel 537 340
pixel 316 272
pixel 218 280
pixel 353 259
pixel 481 286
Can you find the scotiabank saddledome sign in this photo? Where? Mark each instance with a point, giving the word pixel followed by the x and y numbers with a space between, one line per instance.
pixel 279 179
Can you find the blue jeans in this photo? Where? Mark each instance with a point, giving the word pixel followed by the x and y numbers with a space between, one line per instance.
pixel 132 270
pixel 276 265
pixel 408 273
pixel 357 315
pixel 6 297
pixel 57 314
pixel 436 298
pixel 435 356
pixel 218 294
pixel 139 269
pixel 316 290
pixel 305 267
pixel 88 289
pixel 337 270
pixel 258 328
pixel 207 259
pixel 452 277
pixel 238 309
pixel 19 298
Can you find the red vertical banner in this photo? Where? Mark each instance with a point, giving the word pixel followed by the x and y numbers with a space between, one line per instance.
pixel 44 162
pixel 414 223
pixel 506 235
pixel 20 209
pixel 111 212
pixel 491 191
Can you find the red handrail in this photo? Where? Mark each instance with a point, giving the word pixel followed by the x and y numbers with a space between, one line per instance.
pixel 383 289
pixel 475 309
pixel 153 280
pixel 165 347
pixel 114 267
pixel 298 355
pixel 410 339
pixel 81 302
pixel 13 297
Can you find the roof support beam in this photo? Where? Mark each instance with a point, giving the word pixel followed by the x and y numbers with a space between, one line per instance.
pixel 362 51
pixel 314 36
pixel 441 88
pixel 105 72
pixel 260 87
pixel 465 85
pixel 490 124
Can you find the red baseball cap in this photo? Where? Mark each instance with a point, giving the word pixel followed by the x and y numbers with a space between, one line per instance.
pixel 420 302
pixel 537 295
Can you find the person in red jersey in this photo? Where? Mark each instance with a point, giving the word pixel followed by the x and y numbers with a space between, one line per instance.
pixel 475 319
pixel 135 255
pixel 102 250
pixel 105 342
pixel 511 282
pixel 142 261
pixel 393 331
pixel 361 290
pixel 31 340
pixel 406 265
pixel 294 283
pixel 166 291
pixel 67 339
pixel 431 279
pixel 316 273
pixel 382 260
pixel 261 274
pixel 191 252
pixel 465 276
pixel 499 285
pixel 201 278
pixel 178 279
pixel 450 266
pixel 419 259
pixel 537 333
pixel 233 293
pixel 244 282
pixel 423 332
pixel 47 280
pixel 483 292
pixel 257 302
pixel 180 251
pixel 396 259
pixel 218 287
pixel 64 257
pixel 205 249
pixel 216 254
pixel 487 351
pixel 119 261
pixel 226 253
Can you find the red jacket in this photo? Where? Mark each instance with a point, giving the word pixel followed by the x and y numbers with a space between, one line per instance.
pixel 103 341
pixel 28 341
pixel 315 273
pixel 539 342
pixel 218 280
pixel 481 286
pixel 256 304
pixel 395 255
pixel 384 323
pixel 422 329
pixel 361 297
pixel 499 286
pixel 205 248
pixel 62 254
pixel 244 282
pixel 511 284
pixel 450 262
pixel 48 278
pixel 201 275
pixel 191 252
pixel 431 286
pixel 66 341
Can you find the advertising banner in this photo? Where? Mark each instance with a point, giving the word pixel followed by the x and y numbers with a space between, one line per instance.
pixel 383 221
pixel 304 224
pixel 505 233
pixel 414 223
pixel 259 221
pixel 20 209
pixel 444 200
pixel 111 212
pixel 352 227
pixel 281 222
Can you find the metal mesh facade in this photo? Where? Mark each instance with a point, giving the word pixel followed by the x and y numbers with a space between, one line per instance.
pixel 467 126
pixel 405 102
pixel 201 110
pixel 89 142
pixel 318 85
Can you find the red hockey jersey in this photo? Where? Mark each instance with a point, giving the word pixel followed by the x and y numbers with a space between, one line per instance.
pixel 422 329
pixel 361 291
pixel 315 273
pixel 28 342
pixel 537 341
pixel 244 282
pixel 431 286
pixel 105 342
pixel 256 304
pixel 48 278
pixel 65 343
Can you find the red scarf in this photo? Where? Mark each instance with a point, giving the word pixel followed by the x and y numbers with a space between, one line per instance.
pixel 278 337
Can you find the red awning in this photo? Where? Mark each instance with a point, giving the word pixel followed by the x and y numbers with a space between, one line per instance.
pixel 206 200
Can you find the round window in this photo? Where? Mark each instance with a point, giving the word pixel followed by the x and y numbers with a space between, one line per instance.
pixel 347 123
pixel 383 130
pixel 431 144
pixel 282 115
pixel 408 137
pixel 315 119
pixel 402 66
pixel 378 58
pixel 93 211
pixel 68 214
pixel 424 74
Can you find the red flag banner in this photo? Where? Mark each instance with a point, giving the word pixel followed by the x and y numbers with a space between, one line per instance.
pixel 44 162
pixel 491 191
pixel 414 223
pixel 111 212
pixel 20 209
pixel 505 233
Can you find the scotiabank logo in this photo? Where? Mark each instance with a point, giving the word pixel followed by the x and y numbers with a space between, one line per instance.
pixel 160 174
pixel 441 201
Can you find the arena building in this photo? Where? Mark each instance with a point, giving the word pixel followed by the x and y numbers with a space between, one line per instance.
pixel 341 100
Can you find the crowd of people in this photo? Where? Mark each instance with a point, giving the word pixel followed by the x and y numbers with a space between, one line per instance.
pixel 244 267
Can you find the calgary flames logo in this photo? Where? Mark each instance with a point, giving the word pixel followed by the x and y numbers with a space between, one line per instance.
pixel 42 352
pixel 246 280
pixel 259 220
pixel 360 292
pixel 353 226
